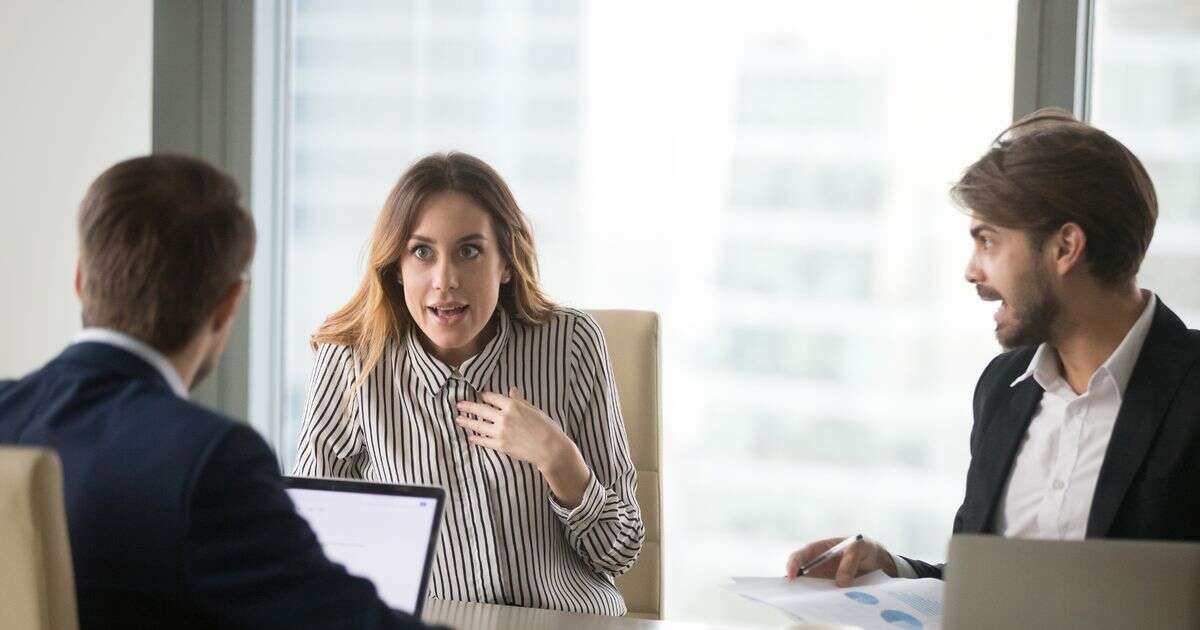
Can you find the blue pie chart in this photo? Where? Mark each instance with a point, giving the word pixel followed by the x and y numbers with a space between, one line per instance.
pixel 900 619
pixel 863 598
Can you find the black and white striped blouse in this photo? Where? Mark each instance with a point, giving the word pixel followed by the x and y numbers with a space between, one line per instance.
pixel 505 539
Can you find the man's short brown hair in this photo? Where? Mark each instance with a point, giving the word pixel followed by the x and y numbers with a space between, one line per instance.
pixel 1049 169
pixel 162 239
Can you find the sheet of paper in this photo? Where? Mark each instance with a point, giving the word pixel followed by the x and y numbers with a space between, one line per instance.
pixel 874 601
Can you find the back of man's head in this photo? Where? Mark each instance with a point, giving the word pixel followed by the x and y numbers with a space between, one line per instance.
pixel 162 239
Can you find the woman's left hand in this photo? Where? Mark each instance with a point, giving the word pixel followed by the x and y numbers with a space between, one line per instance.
pixel 510 425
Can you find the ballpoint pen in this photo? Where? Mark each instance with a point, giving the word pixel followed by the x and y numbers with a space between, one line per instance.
pixel 829 553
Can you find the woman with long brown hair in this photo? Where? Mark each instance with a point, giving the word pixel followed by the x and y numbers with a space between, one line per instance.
pixel 450 367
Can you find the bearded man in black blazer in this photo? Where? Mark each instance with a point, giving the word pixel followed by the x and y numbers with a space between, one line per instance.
pixel 1088 426
pixel 177 516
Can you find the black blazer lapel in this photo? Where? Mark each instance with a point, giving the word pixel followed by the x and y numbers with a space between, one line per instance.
pixel 997 450
pixel 1157 375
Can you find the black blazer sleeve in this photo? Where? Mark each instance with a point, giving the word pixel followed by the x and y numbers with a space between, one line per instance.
pixel 251 561
pixel 926 570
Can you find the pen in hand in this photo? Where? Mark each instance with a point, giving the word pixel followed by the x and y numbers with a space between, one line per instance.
pixel 828 554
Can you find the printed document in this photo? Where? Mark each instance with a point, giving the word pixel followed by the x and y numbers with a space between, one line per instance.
pixel 873 601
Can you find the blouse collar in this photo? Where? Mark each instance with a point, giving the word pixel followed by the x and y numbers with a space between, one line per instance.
pixel 433 374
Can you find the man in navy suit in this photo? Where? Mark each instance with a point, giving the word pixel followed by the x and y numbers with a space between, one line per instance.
pixel 1088 426
pixel 177 515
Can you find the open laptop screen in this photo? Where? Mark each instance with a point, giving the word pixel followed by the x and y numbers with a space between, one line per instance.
pixel 383 532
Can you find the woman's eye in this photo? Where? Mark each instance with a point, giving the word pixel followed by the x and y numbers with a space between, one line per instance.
pixel 469 251
pixel 423 252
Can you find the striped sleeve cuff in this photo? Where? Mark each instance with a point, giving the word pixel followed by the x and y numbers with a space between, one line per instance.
pixel 581 517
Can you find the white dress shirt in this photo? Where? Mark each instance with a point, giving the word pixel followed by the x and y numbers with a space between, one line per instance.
pixel 1049 491
pixel 138 349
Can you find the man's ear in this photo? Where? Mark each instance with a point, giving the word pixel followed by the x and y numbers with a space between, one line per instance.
pixel 1066 247
pixel 78 280
pixel 227 307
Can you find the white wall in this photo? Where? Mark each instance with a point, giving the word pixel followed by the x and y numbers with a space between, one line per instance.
pixel 76 77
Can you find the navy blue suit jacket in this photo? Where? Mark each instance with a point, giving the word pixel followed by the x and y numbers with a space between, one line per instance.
pixel 1151 470
pixel 178 516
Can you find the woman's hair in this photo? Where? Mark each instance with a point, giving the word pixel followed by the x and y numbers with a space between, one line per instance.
pixel 377 313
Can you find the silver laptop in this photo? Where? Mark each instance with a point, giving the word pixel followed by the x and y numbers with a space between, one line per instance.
pixel 386 533
pixel 993 582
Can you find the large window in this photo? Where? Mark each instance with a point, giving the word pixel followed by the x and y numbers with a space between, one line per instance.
pixel 1146 93
pixel 770 176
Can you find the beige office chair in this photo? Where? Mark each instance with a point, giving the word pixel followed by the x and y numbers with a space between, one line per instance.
pixel 37 583
pixel 633 346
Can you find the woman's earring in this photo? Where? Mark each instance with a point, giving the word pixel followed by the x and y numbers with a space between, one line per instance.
pixel 399 278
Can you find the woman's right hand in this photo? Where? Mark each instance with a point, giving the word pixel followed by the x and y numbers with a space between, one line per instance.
pixel 862 557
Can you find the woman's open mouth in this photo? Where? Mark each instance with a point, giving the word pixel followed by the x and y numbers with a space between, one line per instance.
pixel 448 314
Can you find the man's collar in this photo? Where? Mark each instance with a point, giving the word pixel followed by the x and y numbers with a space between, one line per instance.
pixel 139 349
pixel 1044 367
pixel 433 374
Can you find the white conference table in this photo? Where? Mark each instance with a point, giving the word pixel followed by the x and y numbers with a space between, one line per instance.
pixel 474 616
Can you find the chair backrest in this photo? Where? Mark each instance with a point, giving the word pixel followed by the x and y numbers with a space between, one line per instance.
pixel 633 345
pixel 37 583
